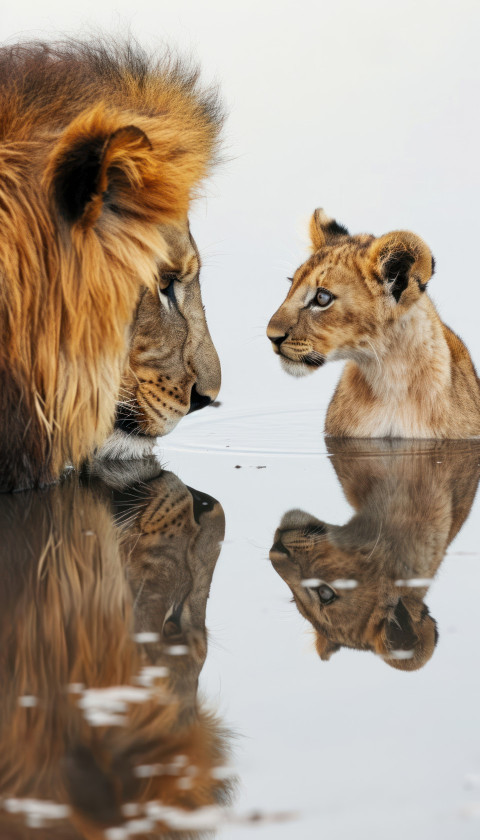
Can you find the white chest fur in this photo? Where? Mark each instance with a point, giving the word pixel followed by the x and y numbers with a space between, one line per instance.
pixel 408 374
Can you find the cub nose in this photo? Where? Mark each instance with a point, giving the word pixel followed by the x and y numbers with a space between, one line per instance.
pixel 279 548
pixel 277 339
pixel 198 401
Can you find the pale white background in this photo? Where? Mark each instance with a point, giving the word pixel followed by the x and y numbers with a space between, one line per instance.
pixel 370 109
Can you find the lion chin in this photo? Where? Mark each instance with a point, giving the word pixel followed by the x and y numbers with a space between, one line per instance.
pixel 124 447
pixel 296 368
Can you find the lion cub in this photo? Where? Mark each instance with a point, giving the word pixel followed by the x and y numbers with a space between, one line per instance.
pixel 363 585
pixel 364 299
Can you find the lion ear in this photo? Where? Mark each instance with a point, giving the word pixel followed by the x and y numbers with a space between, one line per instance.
pixel 324 646
pixel 324 230
pixel 399 258
pixel 97 165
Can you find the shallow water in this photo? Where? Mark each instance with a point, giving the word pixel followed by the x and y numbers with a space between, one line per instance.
pixel 110 685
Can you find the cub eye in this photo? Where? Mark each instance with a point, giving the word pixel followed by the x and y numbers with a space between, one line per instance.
pixel 323 298
pixel 326 594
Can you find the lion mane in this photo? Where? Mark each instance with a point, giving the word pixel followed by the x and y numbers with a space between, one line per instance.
pixel 100 144
pixel 68 638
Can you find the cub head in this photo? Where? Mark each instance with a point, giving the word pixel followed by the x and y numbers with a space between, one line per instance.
pixel 347 595
pixel 173 367
pixel 343 297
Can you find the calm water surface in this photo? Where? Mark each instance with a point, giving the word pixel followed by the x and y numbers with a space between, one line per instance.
pixel 336 691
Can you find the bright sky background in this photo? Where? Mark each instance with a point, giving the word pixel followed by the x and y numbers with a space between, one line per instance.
pixel 371 110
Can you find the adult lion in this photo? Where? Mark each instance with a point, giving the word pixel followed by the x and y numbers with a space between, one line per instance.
pixel 100 145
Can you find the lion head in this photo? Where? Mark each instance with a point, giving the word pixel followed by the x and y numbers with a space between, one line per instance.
pixel 101 147
pixel 173 367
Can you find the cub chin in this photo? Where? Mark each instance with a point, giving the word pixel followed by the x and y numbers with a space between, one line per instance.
pixel 364 300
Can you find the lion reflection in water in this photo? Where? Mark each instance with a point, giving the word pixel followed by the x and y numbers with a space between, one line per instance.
pixel 362 585
pixel 103 638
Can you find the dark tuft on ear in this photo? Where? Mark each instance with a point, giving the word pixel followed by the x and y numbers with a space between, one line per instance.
pixel 413 633
pixel 77 176
pixel 433 265
pixel 398 258
pixel 335 229
pixel 324 230
pixel 400 632
pixel 396 270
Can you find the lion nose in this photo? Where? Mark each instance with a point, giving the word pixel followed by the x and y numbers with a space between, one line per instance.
pixel 198 401
pixel 277 339
pixel 202 503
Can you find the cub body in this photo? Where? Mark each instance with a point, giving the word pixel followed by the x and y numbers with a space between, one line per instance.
pixel 363 585
pixel 363 299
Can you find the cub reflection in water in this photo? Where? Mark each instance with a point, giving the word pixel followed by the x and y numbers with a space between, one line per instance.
pixel 102 627
pixel 362 585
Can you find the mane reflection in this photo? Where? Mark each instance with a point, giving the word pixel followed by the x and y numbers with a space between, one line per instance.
pixel 103 638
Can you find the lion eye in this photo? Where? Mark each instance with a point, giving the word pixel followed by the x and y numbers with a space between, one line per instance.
pixel 326 594
pixel 168 277
pixel 323 298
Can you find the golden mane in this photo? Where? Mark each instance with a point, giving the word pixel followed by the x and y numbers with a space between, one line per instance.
pixel 99 146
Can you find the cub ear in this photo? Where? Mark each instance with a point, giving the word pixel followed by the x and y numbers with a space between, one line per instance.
pixel 401 257
pixel 97 164
pixel 407 643
pixel 325 647
pixel 399 633
pixel 324 230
